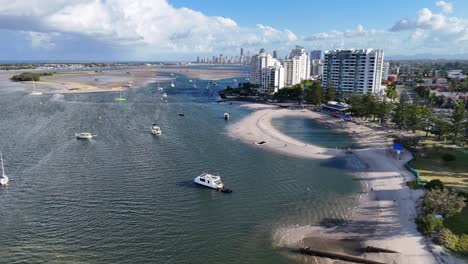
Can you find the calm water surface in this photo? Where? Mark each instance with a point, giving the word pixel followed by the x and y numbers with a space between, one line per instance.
pixel 128 197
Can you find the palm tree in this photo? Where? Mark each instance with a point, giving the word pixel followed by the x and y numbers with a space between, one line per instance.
pixel 391 91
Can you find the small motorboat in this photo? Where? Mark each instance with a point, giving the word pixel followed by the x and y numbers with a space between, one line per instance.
pixel 226 116
pixel 155 130
pixel 261 142
pixel 84 135
pixel 181 114
pixel 164 95
pixel 4 180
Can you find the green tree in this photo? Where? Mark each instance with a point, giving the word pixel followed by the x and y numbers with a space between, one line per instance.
pixel 441 127
pixel 384 109
pixel 330 94
pixel 422 91
pixel 313 94
pixel 370 105
pixel 391 91
pixel 357 105
pixel 458 119
pixel 400 115
pixel 443 201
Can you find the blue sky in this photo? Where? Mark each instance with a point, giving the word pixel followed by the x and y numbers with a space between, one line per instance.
pixel 107 30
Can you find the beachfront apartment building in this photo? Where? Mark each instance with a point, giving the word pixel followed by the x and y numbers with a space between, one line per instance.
pixel 266 72
pixel 296 67
pixel 353 70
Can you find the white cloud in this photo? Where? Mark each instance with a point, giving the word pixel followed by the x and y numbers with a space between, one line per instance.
pixel 154 25
pixel 445 6
pixel 41 40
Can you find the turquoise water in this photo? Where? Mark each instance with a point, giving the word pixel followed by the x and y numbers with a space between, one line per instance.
pixel 128 197
pixel 312 132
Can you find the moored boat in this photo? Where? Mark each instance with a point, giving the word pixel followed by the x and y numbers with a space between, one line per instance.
pixel 155 130
pixel 210 181
pixel 84 135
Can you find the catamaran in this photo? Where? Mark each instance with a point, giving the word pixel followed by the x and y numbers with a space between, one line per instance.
pixel 209 180
pixel 34 90
pixel 4 180
pixel 120 99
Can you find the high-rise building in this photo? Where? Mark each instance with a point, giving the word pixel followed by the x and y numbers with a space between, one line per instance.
pixel 267 73
pixel 275 54
pixel 316 68
pixel 386 68
pixel 353 71
pixel 316 55
pixel 242 52
pixel 296 67
pixel 262 50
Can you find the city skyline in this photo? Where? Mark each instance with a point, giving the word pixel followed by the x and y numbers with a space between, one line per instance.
pixel 179 30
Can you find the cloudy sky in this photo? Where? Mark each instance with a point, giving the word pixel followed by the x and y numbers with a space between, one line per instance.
pixel 91 30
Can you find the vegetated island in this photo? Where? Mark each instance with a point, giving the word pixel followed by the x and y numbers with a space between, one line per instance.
pixel 29 76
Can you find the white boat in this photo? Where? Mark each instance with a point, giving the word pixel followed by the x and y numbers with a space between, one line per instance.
pixel 155 130
pixel 4 180
pixel 209 180
pixel 34 92
pixel 84 135
pixel 164 95
pixel 159 88
pixel 226 116
pixel 172 84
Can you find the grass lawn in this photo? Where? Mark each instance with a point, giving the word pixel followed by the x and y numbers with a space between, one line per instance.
pixel 451 173
pixel 459 222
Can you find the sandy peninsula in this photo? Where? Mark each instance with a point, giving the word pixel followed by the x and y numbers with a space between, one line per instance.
pixel 386 212
pixel 119 79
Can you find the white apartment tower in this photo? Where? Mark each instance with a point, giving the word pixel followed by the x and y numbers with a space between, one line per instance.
pixel 386 69
pixel 353 71
pixel 266 72
pixel 296 67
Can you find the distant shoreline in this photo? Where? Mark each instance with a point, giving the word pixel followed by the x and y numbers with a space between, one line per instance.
pixel 65 82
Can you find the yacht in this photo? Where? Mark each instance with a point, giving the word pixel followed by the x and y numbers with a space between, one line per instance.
pixel 210 181
pixel 172 85
pixel 84 135
pixel 155 130
pixel 226 116
pixel 164 95
pixel 4 180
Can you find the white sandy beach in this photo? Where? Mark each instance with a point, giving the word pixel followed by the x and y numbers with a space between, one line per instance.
pixel 378 220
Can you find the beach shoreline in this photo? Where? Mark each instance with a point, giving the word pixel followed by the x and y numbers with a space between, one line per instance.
pixel 386 211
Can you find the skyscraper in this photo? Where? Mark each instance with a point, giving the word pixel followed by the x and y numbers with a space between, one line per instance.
pixel 267 73
pixel 275 54
pixel 316 55
pixel 242 52
pixel 316 68
pixel 262 50
pixel 386 68
pixel 353 71
pixel 296 67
